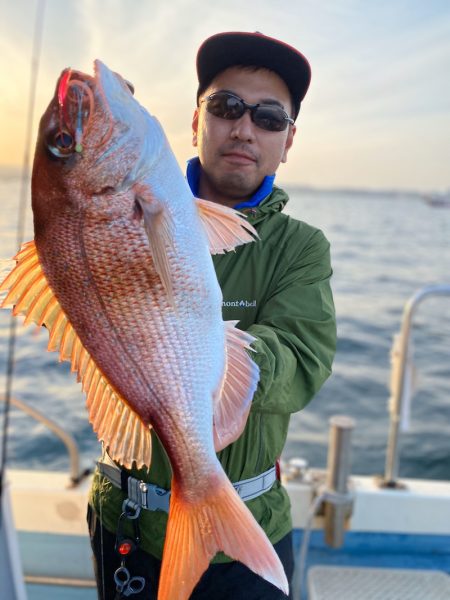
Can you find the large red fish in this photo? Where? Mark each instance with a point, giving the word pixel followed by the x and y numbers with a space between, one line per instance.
pixel 120 273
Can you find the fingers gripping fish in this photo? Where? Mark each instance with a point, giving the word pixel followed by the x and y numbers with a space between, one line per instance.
pixel 120 273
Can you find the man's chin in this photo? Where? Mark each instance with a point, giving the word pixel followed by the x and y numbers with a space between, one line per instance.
pixel 238 186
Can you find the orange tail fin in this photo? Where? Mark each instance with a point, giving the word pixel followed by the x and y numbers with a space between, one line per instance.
pixel 196 531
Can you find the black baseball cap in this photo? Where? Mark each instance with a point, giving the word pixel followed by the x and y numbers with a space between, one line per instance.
pixel 224 50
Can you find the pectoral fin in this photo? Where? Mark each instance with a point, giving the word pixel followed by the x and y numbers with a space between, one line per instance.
pixel 233 400
pixel 158 226
pixel 122 431
pixel 225 227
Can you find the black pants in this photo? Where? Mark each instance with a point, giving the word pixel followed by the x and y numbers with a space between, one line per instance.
pixel 227 581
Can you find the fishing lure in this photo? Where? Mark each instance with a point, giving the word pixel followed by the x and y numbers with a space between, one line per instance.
pixel 73 92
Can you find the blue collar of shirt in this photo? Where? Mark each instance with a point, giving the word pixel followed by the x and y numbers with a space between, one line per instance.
pixel 193 178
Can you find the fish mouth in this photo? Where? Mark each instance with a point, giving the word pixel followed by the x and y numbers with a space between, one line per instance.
pixel 80 99
pixel 78 94
pixel 86 114
pixel 108 79
pixel 75 103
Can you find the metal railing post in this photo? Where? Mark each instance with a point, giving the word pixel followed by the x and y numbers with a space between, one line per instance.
pixel 338 503
pixel 392 453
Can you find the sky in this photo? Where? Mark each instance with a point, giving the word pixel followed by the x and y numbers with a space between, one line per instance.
pixel 377 114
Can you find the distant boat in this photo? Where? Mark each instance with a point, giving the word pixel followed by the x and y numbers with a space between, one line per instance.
pixel 440 200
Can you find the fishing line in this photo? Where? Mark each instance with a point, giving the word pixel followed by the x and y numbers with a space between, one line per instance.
pixel 35 62
pixel 101 530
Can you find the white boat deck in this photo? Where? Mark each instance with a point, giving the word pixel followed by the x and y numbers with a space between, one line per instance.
pixel 329 583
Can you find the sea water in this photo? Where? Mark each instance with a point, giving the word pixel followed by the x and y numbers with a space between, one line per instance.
pixel 384 247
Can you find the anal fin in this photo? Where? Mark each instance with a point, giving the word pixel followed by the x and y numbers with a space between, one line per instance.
pixel 232 401
pixel 126 436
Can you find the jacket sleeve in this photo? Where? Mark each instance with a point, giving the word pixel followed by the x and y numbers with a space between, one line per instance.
pixel 296 329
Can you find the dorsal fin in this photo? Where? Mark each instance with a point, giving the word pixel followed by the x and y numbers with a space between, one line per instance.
pixel 127 438
pixel 232 402
pixel 225 227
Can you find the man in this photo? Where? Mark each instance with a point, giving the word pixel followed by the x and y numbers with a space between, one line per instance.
pixel 249 95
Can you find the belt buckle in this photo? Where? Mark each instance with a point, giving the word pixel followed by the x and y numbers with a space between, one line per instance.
pixel 137 491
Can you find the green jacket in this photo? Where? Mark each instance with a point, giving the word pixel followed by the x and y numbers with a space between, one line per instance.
pixel 278 288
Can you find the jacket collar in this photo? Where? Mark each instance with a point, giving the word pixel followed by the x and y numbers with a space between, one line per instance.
pixel 273 203
pixel 193 172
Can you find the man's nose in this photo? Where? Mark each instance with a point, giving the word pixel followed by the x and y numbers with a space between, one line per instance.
pixel 243 128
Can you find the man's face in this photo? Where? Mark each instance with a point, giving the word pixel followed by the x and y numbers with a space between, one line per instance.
pixel 237 155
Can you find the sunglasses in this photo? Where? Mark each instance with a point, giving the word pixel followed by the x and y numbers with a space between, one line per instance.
pixel 265 116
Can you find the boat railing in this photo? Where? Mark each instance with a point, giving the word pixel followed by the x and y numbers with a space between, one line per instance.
pixel 399 381
pixel 76 475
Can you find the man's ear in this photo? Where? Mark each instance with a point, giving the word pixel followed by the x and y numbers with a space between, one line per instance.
pixel 289 142
pixel 194 127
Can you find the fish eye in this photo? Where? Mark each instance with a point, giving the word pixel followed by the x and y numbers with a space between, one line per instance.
pixel 61 144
